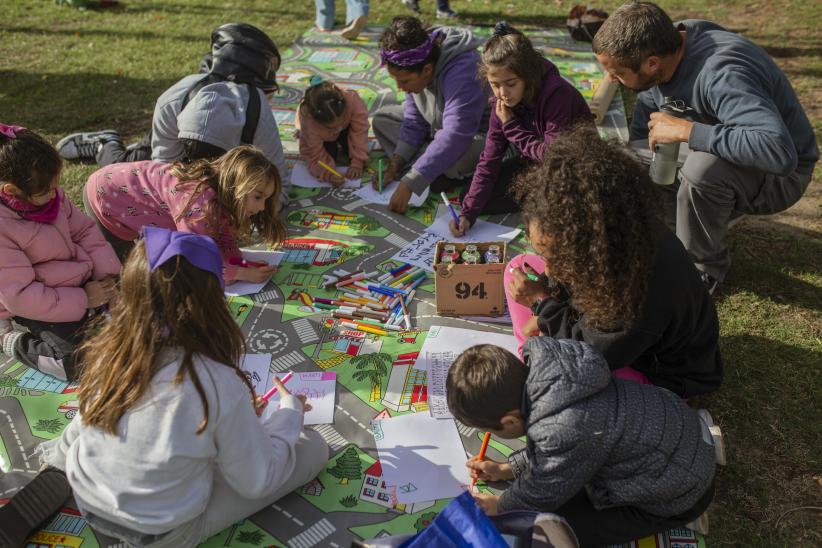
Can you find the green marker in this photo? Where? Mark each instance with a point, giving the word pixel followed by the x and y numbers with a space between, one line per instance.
pixel 529 275
pixel 379 175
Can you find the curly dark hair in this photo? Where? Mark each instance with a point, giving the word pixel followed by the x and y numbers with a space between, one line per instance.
pixel 408 33
pixel 592 203
pixel 324 102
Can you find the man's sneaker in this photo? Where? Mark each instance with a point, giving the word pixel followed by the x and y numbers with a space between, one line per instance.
pixel 354 28
pixel 700 524
pixel 84 146
pixel 447 14
pixel 413 5
pixel 709 281
pixel 716 436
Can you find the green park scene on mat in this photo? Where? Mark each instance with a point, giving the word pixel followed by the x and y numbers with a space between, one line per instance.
pixel 769 311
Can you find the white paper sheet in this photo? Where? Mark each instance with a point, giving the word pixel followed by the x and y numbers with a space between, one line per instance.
pixel 300 176
pixel 420 252
pixel 257 369
pixel 422 458
pixel 251 288
pixel 319 389
pixel 441 347
pixel 367 193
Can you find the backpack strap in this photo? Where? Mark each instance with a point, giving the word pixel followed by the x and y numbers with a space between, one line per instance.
pixel 252 116
pixel 252 110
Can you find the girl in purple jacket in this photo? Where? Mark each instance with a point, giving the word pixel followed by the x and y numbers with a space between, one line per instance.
pixel 531 104
pixel 55 265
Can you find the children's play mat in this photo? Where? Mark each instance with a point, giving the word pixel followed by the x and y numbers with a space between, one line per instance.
pixel 329 229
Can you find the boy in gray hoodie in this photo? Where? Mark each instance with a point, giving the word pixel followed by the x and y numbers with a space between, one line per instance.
pixel 617 459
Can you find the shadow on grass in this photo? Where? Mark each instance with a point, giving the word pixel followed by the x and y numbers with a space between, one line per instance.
pixel 771 262
pixel 766 407
pixel 517 20
pixel 61 103
pixel 122 33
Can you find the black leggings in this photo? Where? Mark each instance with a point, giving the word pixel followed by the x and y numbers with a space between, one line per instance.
pixel 623 523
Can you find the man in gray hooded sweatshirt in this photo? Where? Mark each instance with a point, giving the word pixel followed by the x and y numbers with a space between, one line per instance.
pixel 204 115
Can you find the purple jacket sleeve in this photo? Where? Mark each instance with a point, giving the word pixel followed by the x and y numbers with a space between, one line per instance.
pixel 488 168
pixel 414 129
pixel 465 101
pixel 559 109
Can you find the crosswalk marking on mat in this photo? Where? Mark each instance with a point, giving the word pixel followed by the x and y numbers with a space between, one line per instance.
pixel 313 535
pixel 333 438
pixel 287 361
pixel 305 331
pixel 396 240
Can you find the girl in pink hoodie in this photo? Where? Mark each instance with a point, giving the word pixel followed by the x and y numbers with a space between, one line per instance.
pixel 332 124
pixel 55 265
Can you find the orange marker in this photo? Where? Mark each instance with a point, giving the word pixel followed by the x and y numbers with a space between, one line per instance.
pixel 481 455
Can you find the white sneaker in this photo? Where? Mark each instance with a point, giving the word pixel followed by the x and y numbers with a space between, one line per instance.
pixel 700 524
pixel 354 28
pixel 447 14
pixel 716 436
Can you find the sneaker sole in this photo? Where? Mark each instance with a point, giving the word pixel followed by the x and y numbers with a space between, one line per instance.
pixel 355 28
pixel 716 435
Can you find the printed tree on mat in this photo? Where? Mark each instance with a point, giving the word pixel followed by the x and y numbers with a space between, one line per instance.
pixel 348 467
pixel 424 521
pixel 250 537
pixel 52 426
pixel 372 367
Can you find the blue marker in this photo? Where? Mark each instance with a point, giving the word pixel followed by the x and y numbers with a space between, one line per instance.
pixel 451 209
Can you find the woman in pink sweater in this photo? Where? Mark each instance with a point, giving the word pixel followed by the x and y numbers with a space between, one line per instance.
pixel 55 265
pixel 225 199
pixel 333 128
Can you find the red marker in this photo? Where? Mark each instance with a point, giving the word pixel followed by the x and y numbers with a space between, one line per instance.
pixel 237 261
pixel 274 389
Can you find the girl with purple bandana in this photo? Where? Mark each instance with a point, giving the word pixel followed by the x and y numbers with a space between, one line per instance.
pixel 171 444
pixel 54 263
pixel 438 133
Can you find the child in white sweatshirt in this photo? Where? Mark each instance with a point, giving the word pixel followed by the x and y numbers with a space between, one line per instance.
pixel 171 444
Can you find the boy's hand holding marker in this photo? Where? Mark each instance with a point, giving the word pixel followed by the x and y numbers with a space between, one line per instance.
pixel 461 229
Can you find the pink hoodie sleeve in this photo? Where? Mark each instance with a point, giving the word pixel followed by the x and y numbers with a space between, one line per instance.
pixel 312 149
pixel 193 219
pixel 357 129
pixel 86 234
pixel 22 295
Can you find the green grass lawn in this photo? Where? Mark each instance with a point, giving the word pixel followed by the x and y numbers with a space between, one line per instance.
pixel 64 70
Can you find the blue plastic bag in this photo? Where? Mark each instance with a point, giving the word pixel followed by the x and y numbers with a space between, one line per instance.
pixel 461 524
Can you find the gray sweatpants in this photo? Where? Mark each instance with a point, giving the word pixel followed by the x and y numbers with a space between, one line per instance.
pixel 387 123
pixel 711 191
pixel 226 505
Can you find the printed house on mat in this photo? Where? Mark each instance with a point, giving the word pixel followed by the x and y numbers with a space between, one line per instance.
pixel 314 487
pixel 374 490
pixel 406 385
pixel 311 252
pixel 327 219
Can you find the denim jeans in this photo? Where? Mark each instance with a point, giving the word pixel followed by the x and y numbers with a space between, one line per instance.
pixel 325 12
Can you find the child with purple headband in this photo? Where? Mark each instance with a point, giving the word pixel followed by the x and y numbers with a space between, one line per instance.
pixel 435 138
pixel 171 444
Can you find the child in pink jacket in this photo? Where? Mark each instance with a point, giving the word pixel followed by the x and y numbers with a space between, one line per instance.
pixel 226 199
pixel 333 125
pixel 54 263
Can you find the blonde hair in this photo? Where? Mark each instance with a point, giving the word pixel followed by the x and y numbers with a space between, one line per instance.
pixel 170 308
pixel 232 177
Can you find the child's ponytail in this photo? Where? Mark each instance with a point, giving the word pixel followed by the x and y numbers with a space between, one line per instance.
pixel 323 101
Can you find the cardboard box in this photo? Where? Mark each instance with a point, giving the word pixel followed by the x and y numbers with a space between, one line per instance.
pixel 469 289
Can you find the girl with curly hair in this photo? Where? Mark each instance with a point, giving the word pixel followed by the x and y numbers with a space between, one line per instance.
pixel 612 275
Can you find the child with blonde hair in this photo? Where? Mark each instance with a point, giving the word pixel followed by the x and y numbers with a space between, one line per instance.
pixel 171 444
pixel 54 264
pixel 333 128
pixel 226 199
